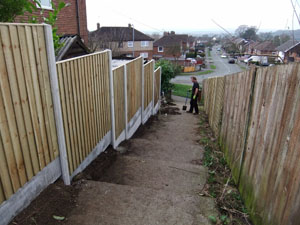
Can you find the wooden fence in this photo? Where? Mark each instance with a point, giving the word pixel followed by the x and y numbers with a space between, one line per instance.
pixel 55 118
pixel 260 135
pixel 28 139
pixel 148 86
pixel 157 89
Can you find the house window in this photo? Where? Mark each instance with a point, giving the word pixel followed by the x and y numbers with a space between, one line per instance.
pixel 160 49
pixel 144 54
pixel 45 4
pixel 144 43
pixel 130 44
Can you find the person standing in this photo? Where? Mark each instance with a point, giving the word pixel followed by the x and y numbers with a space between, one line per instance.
pixel 194 97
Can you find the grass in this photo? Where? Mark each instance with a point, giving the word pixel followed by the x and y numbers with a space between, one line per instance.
pixel 181 89
pixel 209 54
pixel 213 67
pixel 196 73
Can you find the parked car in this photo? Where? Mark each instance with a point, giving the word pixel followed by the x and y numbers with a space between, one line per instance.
pixel 223 56
pixel 231 61
pixel 252 59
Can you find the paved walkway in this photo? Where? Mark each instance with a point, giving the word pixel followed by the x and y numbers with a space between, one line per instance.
pixel 156 180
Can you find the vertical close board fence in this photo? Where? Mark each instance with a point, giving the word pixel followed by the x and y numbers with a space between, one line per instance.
pixel 85 98
pixel 134 73
pixel 119 78
pixel 260 136
pixel 148 91
pixel 28 137
pixel 157 90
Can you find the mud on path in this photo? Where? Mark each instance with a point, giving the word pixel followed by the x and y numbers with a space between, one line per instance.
pixel 154 178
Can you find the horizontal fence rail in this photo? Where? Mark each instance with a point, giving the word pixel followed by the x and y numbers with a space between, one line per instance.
pixel 260 136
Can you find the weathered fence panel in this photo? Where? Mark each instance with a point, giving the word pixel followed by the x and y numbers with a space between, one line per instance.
pixel 213 101
pixel 260 136
pixel 134 71
pixel 85 99
pixel 119 77
pixel 148 79
pixel 270 175
pixel 157 89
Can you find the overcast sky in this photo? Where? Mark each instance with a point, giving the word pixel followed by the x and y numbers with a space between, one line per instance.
pixel 192 15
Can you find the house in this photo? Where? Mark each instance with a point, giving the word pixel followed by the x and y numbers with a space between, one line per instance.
pixel 123 41
pixel 250 46
pixel 72 19
pixel 72 47
pixel 171 46
pixel 289 51
pixel 265 48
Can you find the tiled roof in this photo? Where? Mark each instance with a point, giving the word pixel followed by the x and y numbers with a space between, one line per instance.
pixel 119 34
pixel 171 40
pixel 265 46
pixel 286 46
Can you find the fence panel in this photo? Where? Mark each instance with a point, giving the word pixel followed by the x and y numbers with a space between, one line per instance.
pixel 85 100
pixel 157 89
pixel 134 95
pixel 270 175
pixel 213 101
pixel 148 90
pixel 119 103
pixel 28 139
pixel 234 120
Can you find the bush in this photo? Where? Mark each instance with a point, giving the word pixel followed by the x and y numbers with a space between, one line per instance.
pixel 169 71
pixel 202 54
pixel 191 55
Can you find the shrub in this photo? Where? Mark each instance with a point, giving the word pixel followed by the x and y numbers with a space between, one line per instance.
pixel 169 71
pixel 191 55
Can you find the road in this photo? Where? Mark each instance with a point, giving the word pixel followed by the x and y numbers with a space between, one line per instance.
pixel 223 68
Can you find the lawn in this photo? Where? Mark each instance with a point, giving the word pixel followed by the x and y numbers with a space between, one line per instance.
pixel 213 67
pixel 196 73
pixel 181 89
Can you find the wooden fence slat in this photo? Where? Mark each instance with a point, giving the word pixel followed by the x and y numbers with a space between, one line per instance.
pixel 5 177
pixel 8 105
pixel 43 153
pixel 100 94
pixel 48 95
pixel 2 197
pixel 63 93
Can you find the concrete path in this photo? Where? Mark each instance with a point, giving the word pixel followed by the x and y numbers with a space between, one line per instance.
pixel 156 180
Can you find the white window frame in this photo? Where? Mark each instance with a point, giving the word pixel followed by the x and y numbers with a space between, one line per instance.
pixel 130 44
pixel 145 55
pixel 161 48
pixel 144 44
pixel 45 6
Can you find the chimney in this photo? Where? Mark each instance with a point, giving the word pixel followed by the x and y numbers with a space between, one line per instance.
pixel 129 25
pixel 166 33
pixel 172 32
pixel 98 26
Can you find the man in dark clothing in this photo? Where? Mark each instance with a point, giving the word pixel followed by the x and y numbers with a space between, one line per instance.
pixel 194 97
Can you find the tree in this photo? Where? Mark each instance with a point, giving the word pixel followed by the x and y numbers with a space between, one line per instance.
pixel 247 32
pixel 174 50
pixel 265 36
pixel 168 72
pixel 280 39
pixel 9 9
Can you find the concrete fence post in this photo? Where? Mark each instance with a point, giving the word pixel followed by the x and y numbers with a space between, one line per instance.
pixel 57 105
pixel 112 105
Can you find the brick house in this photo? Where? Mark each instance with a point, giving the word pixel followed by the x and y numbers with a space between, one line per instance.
pixel 171 46
pixel 265 48
pixel 289 51
pixel 123 41
pixel 72 20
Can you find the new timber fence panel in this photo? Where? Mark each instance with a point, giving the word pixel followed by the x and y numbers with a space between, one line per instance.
pixel 85 98
pixel 148 91
pixel 28 136
pixel 157 90
pixel 134 70
pixel 119 77
pixel 270 176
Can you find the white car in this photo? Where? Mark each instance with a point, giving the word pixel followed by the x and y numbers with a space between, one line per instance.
pixel 223 56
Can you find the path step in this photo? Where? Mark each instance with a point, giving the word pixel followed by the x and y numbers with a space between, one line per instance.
pixel 182 152
pixel 156 174
pixel 111 204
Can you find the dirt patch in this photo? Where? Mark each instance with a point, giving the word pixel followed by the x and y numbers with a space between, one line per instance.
pixel 170 110
pixel 60 200
pixel 55 200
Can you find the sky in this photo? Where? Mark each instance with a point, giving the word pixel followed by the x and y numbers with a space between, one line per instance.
pixel 192 16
